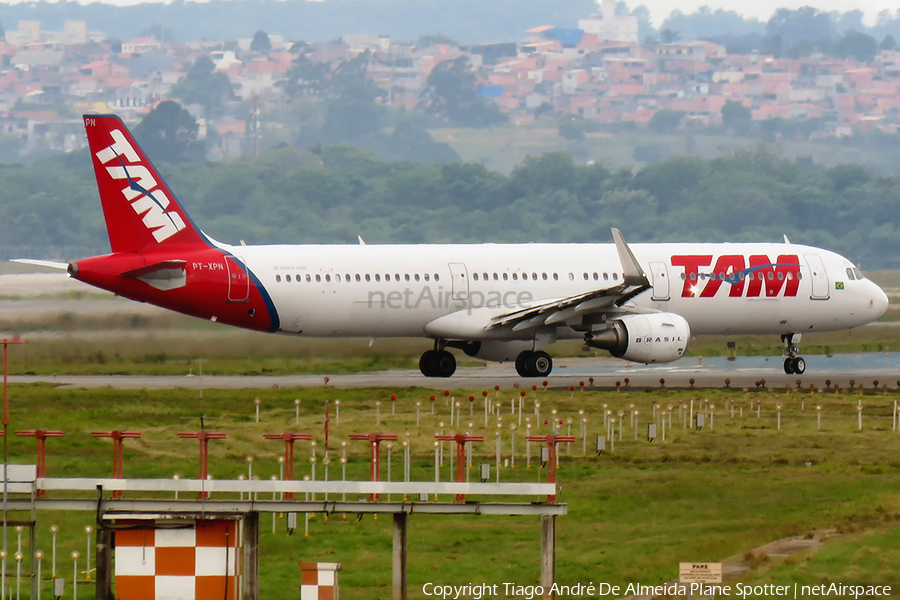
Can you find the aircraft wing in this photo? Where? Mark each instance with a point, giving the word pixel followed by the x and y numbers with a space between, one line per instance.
pixel 560 310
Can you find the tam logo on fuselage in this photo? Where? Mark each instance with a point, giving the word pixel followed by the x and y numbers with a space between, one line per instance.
pixel 141 191
pixel 760 278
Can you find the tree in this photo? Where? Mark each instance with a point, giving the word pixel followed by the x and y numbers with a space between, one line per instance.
pixel 803 31
pixel 433 40
pixel 451 93
pixel 2 33
pixel 160 33
pixel 650 153
pixel 888 43
pixel 572 129
pixel 858 46
pixel 737 117
pixel 169 132
pixel 665 120
pixel 667 36
pixel 305 78
pixel 202 85
pixel 261 42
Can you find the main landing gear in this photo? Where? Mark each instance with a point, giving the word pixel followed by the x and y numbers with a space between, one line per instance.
pixel 437 363
pixel 534 364
pixel 793 364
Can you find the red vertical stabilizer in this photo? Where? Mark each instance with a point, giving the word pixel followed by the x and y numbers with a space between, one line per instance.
pixel 142 214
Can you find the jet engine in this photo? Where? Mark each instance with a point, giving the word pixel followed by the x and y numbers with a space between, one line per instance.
pixel 650 338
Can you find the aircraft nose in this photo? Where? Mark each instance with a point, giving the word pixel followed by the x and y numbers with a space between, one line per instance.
pixel 878 302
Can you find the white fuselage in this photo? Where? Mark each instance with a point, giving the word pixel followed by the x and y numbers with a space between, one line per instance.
pixel 397 290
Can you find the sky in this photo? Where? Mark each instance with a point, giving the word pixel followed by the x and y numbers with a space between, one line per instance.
pixel 660 9
pixel 763 9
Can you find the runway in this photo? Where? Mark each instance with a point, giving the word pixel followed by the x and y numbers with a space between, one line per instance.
pixel 745 372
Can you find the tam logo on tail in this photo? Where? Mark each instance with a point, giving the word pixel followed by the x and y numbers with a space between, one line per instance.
pixel 142 191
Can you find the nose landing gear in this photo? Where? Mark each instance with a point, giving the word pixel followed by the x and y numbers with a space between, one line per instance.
pixel 793 364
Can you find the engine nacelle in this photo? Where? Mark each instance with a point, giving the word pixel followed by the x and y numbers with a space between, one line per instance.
pixel 650 338
pixel 496 351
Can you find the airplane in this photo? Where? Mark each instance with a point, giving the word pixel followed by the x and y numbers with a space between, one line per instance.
pixel 497 302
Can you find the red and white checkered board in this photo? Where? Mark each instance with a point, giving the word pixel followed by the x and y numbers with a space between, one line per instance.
pixel 197 562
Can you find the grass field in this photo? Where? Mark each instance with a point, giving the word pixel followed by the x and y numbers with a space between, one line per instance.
pixel 705 495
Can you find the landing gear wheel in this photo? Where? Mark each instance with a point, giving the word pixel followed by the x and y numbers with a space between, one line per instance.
pixel 539 364
pixel 522 363
pixel 426 363
pixel 443 364
pixel 793 364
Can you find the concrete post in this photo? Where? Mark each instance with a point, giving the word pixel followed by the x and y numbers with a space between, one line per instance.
pixel 399 556
pixel 548 555
pixel 104 564
pixel 251 556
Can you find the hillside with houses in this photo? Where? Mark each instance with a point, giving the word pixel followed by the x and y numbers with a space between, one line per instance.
pixel 599 74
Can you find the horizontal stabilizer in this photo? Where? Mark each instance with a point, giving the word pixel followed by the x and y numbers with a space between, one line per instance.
pixel 41 263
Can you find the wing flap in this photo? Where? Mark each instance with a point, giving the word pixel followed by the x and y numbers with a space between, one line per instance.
pixel 557 311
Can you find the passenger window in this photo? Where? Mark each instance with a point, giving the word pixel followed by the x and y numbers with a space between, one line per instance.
pixel 328 278
pixel 406 276
pixel 426 276
pixel 615 276
pixel 308 278
pixel 416 276
pixel 437 277
pixel 368 277
pixel 318 278
pixel 771 276
pixel 496 277
pixel 485 276
pixel 524 276
pixel 505 276
pixel 596 276
pixel 387 276
pixel 358 277
pixel 396 276
pixel 586 277
pixel 515 277
pixel 475 276
pixel 544 276
pixel 780 276
pixel 683 277
pixel 534 276
pixel 278 278
pixel 377 276
pixel 571 276
pixel 606 277
pixel 556 277
pixel 287 278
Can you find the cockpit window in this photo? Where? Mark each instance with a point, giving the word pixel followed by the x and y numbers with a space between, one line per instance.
pixel 858 274
pixel 850 274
